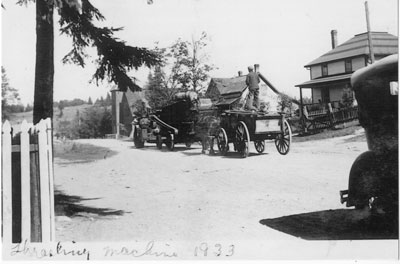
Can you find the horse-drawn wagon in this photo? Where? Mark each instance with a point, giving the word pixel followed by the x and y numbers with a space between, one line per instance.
pixel 242 127
pixel 239 127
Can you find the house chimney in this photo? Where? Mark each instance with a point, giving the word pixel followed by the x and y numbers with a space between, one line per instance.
pixel 256 67
pixel 334 38
pixel 240 73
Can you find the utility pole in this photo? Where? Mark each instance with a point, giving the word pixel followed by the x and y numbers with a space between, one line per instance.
pixel 115 112
pixel 371 48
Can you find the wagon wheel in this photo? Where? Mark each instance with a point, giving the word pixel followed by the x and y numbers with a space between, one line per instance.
pixel 170 142
pixel 284 139
pixel 222 141
pixel 137 140
pixel 159 141
pixel 242 139
pixel 259 145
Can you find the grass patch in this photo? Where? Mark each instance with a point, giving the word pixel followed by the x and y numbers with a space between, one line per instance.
pixel 332 133
pixel 80 153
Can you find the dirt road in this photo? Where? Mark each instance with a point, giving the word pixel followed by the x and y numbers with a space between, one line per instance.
pixel 147 194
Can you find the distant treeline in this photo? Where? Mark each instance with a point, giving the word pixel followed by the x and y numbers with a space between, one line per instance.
pixel 67 103
pixel 75 102
pixel 19 108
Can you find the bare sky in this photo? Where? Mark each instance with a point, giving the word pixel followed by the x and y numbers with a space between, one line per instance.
pixel 282 36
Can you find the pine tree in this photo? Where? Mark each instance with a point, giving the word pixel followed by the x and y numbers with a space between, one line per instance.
pixel 108 100
pixel 157 91
pixel 28 108
pixel 61 107
pixel 115 58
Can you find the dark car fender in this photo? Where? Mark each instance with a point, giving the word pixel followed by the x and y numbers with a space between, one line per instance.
pixel 373 175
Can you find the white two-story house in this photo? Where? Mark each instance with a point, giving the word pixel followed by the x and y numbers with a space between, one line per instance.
pixel 330 73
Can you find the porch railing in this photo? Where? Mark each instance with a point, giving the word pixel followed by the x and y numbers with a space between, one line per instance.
pixel 321 116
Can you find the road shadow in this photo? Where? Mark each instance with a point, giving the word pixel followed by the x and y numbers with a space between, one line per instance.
pixel 180 148
pixel 340 224
pixel 236 155
pixel 70 205
pixel 186 151
pixel 163 149
pixel 199 153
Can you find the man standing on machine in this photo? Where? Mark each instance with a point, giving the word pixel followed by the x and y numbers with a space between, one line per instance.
pixel 252 81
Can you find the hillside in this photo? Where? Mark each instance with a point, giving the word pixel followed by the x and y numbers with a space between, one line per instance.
pixel 69 113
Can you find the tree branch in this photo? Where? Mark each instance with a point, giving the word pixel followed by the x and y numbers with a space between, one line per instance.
pixel 115 58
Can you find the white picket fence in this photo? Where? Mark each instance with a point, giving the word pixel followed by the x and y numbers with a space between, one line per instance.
pixel 27 181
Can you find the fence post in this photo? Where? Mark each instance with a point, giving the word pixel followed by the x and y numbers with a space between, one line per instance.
pixel 6 183
pixel 44 181
pixel 25 183
pixel 28 183
pixel 36 225
pixel 49 134
pixel 331 115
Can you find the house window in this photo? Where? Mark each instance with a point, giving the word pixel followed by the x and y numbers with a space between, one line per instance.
pixel 325 95
pixel 348 66
pixel 324 69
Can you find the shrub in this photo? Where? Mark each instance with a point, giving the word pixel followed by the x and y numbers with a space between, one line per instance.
pixel 67 129
pixel 95 123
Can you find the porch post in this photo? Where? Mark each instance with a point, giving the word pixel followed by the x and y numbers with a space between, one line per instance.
pixel 301 102
pixel 302 120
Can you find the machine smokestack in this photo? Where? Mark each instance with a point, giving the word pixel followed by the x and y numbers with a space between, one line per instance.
pixel 240 73
pixel 334 38
pixel 256 67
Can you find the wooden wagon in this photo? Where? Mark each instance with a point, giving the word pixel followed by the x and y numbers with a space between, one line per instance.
pixel 240 127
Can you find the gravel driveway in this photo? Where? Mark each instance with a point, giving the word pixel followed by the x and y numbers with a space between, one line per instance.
pixel 180 196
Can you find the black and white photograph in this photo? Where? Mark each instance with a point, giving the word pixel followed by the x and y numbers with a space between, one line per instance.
pixel 199 130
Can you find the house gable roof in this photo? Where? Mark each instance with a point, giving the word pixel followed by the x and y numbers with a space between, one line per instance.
pixel 131 97
pixel 383 44
pixel 228 85
pixel 327 80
